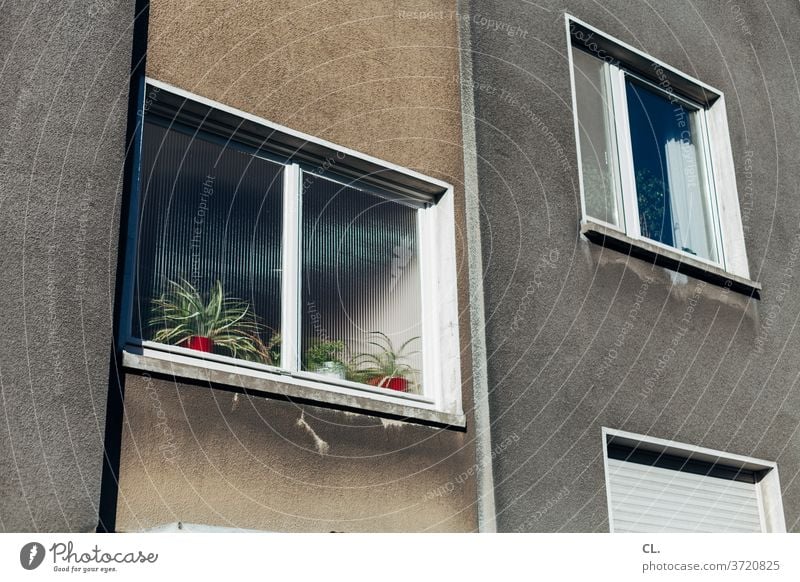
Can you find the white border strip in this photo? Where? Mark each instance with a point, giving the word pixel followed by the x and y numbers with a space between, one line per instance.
pixel 487 516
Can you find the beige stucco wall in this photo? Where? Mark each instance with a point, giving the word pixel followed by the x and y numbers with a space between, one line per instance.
pixel 359 73
pixel 367 76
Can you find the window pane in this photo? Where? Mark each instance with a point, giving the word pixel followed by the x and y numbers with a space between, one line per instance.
pixel 669 167
pixel 210 232
pixel 598 156
pixel 361 310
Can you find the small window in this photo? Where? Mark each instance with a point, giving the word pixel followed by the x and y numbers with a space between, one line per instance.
pixel 261 249
pixel 658 486
pixel 649 169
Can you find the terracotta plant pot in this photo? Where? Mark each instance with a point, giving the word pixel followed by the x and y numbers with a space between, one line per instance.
pixel 393 383
pixel 199 343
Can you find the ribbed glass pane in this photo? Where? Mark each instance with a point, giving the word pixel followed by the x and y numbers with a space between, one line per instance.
pixel 210 221
pixel 361 308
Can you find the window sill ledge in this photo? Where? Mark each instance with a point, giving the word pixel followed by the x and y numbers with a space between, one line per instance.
pixel 673 260
pixel 287 387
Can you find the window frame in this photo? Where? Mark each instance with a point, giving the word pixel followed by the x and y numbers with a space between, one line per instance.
pixel 620 62
pixel 629 195
pixel 768 489
pixel 441 374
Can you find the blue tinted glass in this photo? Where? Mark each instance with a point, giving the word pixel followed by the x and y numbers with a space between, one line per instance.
pixel 669 172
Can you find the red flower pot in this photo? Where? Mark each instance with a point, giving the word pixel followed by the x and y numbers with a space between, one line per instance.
pixel 199 343
pixel 393 383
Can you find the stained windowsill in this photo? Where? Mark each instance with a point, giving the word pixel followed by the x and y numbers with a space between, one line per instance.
pixel 669 259
pixel 287 386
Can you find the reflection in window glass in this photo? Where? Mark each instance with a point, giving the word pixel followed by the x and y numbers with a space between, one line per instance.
pixel 360 278
pixel 669 171
pixel 209 247
pixel 598 165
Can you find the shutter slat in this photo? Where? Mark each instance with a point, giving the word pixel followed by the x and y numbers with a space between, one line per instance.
pixel 645 499
pixel 632 526
pixel 700 489
pixel 746 515
pixel 706 515
pixel 657 475
pixel 696 497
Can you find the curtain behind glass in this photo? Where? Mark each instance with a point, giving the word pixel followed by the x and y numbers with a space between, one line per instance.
pixel 360 284
pixel 669 168
pixel 208 213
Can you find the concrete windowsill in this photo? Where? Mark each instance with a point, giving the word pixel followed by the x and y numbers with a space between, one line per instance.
pixel 288 387
pixel 668 258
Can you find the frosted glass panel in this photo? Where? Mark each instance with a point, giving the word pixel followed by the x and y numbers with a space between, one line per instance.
pixel 208 265
pixel 360 279
pixel 598 159
pixel 669 167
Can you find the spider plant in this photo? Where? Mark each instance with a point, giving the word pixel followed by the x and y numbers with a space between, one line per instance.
pixel 268 352
pixel 387 367
pixel 183 314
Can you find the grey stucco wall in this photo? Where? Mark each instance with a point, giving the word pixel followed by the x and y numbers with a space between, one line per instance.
pixel 63 106
pixel 556 304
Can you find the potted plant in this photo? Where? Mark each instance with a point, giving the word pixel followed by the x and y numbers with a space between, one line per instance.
pixel 325 357
pixel 266 352
pixel 388 367
pixel 183 317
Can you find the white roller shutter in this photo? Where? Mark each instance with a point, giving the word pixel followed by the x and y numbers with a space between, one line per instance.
pixel 647 498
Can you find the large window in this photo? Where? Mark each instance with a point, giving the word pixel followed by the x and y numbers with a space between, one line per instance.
pixel 649 168
pixel 305 263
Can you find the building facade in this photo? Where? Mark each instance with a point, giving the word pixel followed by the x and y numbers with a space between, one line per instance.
pixel 593 327
pixel 427 266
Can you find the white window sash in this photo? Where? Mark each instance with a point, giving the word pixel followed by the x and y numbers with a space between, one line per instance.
pixel 627 172
pixel 291 288
pixel 712 197
pixel 613 147
pixel 429 223
pixel 630 204
pixel 290 265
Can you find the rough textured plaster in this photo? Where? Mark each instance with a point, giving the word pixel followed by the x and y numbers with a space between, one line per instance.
pixel 63 106
pixel 550 328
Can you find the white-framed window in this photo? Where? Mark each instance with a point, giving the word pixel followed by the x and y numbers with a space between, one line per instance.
pixel 655 158
pixel 656 485
pixel 261 252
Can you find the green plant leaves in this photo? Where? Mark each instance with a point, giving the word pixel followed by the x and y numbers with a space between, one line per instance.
pixel 387 362
pixel 323 351
pixel 229 322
